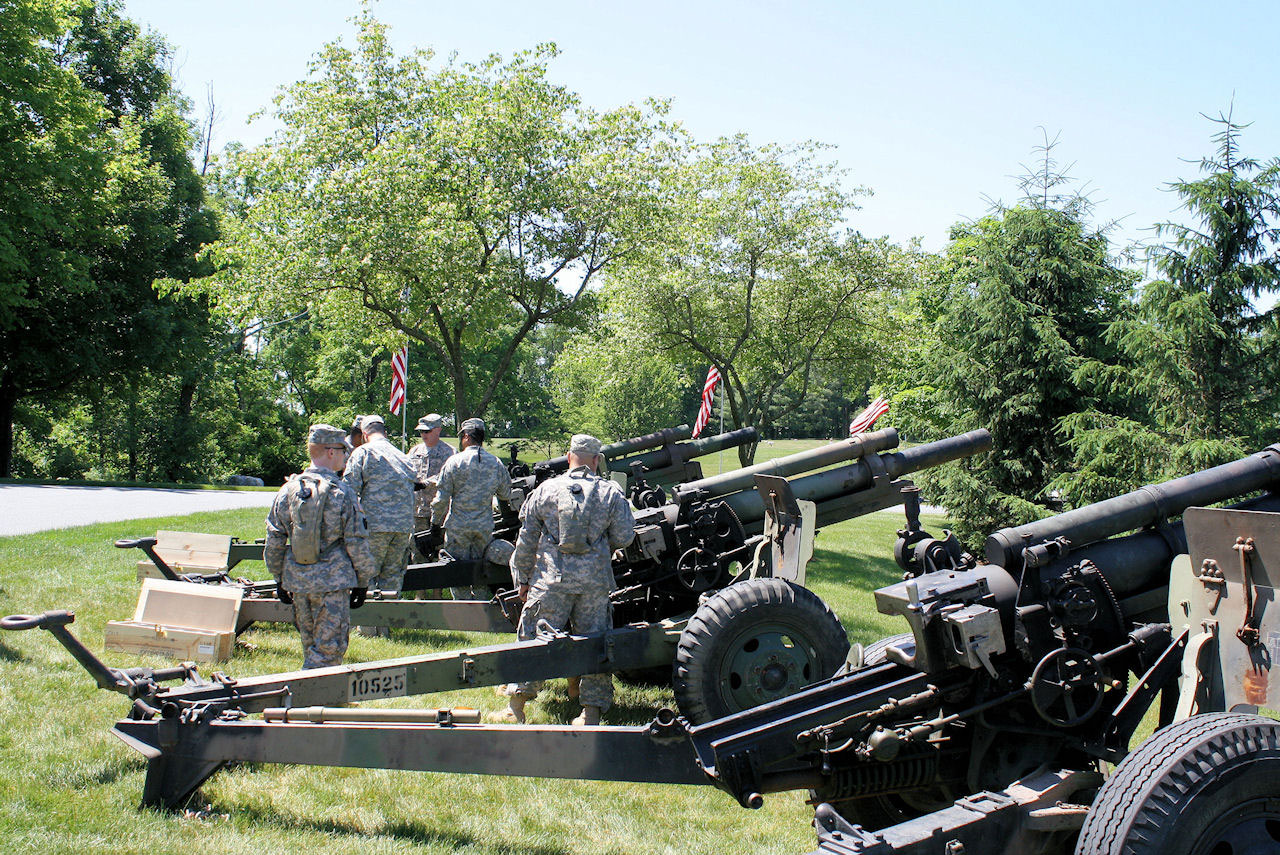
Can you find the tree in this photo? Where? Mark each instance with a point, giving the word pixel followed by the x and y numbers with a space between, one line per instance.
pixel 1194 379
pixel 1024 297
pixel 612 385
pixel 104 201
pixel 53 167
pixel 752 277
pixel 460 207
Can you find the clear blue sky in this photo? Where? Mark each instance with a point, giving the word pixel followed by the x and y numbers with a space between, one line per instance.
pixel 934 106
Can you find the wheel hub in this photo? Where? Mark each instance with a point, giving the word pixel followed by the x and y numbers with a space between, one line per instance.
pixel 773 677
pixel 768 664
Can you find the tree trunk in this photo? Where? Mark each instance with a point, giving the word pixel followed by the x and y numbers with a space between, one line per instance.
pixel 179 444
pixel 8 402
pixel 370 378
pixel 131 437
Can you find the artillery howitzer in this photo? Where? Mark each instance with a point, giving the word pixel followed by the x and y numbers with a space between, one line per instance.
pixel 985 729
pixel 713 527
pixel 642 466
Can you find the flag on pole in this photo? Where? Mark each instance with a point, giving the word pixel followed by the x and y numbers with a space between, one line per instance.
pixel 708 395
pixel 399 378
pixel 865 419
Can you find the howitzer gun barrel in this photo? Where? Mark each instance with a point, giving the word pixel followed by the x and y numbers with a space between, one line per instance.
pixel 1141 508
pixel 626 446
pixel 861 475
pixel 682 452
pixel 804 461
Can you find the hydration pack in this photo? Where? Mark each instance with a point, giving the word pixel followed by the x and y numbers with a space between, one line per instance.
pixel 571 512
pixel 307 501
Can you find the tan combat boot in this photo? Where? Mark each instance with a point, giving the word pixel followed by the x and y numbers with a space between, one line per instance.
pixel 589 717
pixel 514 713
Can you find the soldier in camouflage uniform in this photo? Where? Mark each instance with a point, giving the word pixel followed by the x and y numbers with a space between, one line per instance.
pixel 569 527
pixel 383 478
pixel 316 549
pixel 356 435
pixel 464 500
pixel 428 459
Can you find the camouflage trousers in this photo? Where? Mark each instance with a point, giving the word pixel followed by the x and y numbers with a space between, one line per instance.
pixel 390 553
pixel 583 612
pixel 324 620
pixel 467 544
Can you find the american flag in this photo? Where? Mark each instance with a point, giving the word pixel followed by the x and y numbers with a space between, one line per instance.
pixel 865 419
pixel 399 378
pixel 708 395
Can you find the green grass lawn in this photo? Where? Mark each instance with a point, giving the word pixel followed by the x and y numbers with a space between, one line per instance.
pixel 68 785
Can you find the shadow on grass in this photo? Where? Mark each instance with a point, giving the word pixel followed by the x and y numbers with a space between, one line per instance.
pixel 414 831
pixel 8 654
pixel 866 572
pixel 561 709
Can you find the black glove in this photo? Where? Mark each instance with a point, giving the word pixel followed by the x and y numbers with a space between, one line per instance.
pixel 285 596
pixel 358 596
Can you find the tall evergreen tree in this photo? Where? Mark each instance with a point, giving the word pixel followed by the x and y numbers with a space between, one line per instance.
pixel 1194 381
pixel 1024 298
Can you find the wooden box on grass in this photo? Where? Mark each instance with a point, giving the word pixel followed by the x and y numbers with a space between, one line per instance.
pixel 187 552
pixel 180 620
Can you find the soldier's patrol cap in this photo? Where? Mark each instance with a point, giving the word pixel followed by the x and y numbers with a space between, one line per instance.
pixel 357 423
pixel 584 444
pixel 328 435
pixel 369 421
pixel 470 425
pixel 430 421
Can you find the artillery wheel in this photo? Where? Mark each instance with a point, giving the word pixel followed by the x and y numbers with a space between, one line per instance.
pixel 754 642
pixel 1209 785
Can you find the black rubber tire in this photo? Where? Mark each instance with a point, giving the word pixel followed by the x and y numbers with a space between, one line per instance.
pixel 1203 786
pixel 874 653
pixel 763 613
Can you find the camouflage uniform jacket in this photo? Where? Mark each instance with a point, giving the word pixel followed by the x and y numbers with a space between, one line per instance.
pixel 428 460
pixel 467 484
pixel 569 527
pixel 345 561
pixel 383 477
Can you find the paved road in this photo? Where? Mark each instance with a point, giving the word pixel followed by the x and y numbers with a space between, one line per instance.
pixel 24 509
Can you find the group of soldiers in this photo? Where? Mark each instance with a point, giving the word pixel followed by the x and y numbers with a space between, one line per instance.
pixel 345 525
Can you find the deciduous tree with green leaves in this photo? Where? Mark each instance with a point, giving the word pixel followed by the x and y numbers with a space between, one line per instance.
pixel 614 386
pixel 97 200
pixel 460 206
pixel 754 278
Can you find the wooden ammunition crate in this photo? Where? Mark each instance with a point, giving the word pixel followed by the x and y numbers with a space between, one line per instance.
pixel 187 552
pixel 180 620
